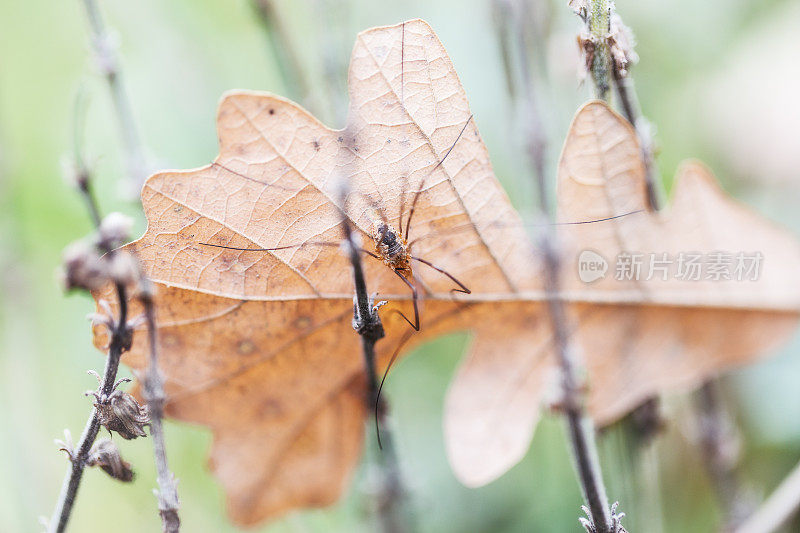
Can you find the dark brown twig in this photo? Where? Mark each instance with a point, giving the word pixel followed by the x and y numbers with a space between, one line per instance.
pixel 602 519
pixel 153 382
pixel 581 429
pixel 367 322
pixel 109 66
pixel 120 341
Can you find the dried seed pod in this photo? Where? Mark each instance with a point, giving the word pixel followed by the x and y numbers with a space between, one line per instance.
pixel 105 454
pixel 115 229
pixel 83 267
pixel 66 445
pixel 621 43
pixel 120 412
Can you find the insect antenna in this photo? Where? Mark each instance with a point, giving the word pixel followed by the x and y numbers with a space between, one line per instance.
pixel 471 226
pixel 287 247
pixel 422 183
pixel 463 288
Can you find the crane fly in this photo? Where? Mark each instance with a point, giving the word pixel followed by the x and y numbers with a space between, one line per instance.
pixel 393 246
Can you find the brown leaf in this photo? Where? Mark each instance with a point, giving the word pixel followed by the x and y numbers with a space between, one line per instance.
pixel 258 346
pixel 637 338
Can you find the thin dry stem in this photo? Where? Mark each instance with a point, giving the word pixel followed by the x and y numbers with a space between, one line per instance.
pixel 109 66
pixel 168 503
pixel 580 428
pixel 119 342
pixel 367 322
pixel 629 102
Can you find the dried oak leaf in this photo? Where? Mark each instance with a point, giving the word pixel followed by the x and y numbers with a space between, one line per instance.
pixel 637 337
pixel 258 346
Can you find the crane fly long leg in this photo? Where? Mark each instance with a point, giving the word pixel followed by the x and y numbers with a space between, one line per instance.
pixel 462 288
pixel 400 345
pixel 597 219
pixel 411 286
pixel 422 183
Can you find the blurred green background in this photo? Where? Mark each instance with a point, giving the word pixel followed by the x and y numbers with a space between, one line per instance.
pixel 718 79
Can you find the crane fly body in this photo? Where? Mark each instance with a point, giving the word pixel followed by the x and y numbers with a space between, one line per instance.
pixel 393 249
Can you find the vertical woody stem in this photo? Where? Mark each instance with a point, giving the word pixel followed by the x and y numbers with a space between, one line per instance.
pixel 599 21
pixel 168 503
pixel 108 64
pixel 119 342
pixel 367 322
pixel 579 427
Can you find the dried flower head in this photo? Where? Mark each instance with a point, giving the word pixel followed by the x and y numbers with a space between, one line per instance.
pixel 67 445
pixel 616 520
pixel 123 267
pixel 120 412
pixel 105 454
pixel 587 43
pixel 621 43
pixel 83 267
pixel 115 229
pixel 580 7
